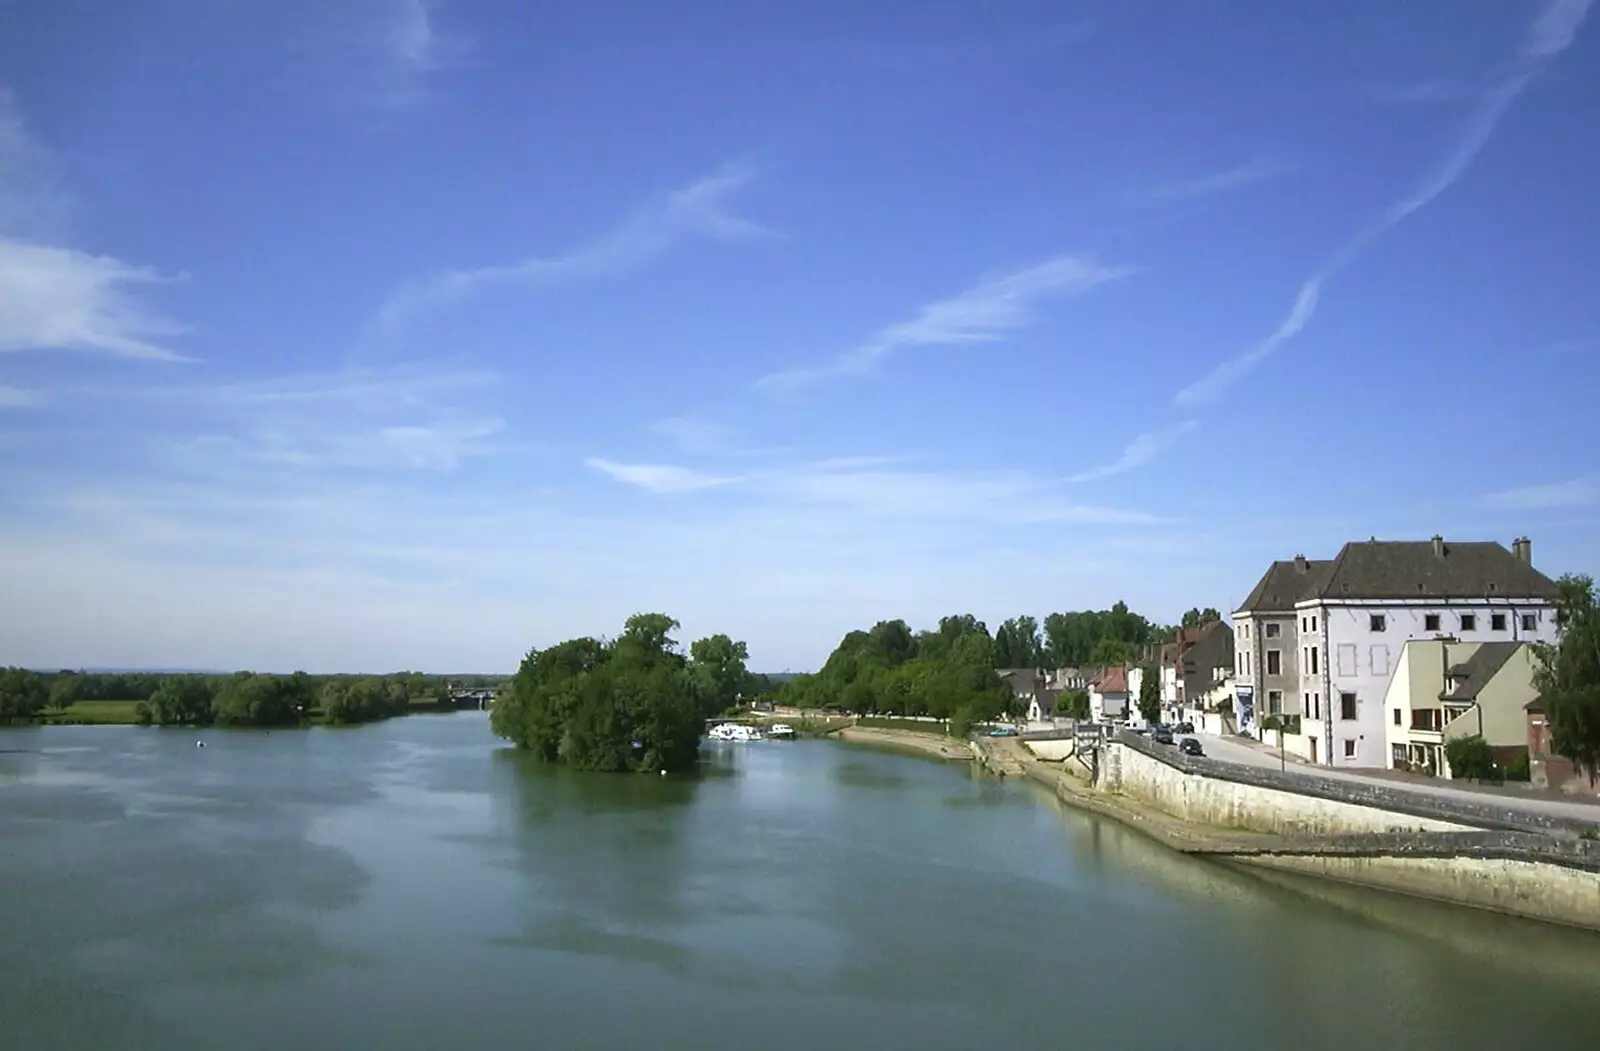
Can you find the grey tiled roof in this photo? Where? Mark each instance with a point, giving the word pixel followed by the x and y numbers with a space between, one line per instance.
pixel 1401 569
pixel 1283 584
pixel 1478 669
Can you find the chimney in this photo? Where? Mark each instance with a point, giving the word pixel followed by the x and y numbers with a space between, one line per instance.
pixel 1522 547
pixel 1438 546
pixel 1300 563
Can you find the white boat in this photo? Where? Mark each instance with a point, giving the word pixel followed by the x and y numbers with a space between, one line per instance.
pixel 780 732
pixel 734 732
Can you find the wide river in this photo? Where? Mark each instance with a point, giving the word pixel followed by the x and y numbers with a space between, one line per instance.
pixel 414 885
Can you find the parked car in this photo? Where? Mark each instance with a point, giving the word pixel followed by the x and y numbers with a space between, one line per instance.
pixel 1191 747
pixel 1161 735
pixel 1185 727
pixel 1002 731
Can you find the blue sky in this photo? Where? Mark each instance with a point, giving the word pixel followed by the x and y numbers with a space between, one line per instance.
pixel 387 333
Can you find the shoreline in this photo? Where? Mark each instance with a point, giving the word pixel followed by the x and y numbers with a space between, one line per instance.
pixel 936 746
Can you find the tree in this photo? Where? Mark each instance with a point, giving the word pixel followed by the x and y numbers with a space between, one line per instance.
pixel 719 669
pixel 1471 758
pixel 22 694
pixel 1568 676
pixel 181 699
pixel 1196 617
pixel 632 704
pixel 248 699
pixel 1150 697
pixel 1074 703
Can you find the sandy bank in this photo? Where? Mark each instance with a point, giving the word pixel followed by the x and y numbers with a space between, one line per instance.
pixel 908 740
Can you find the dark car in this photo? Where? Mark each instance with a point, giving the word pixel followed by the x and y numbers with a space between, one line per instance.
pixel 1185 728
pixel 1161 735
pixel 1191 747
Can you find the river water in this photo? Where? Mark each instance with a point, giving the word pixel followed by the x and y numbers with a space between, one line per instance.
pixel 413 885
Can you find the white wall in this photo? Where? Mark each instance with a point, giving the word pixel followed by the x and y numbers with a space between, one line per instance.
pixel 1361 661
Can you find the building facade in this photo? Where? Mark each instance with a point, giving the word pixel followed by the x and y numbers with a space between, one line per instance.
pixel 1442 689
pixel 1348 624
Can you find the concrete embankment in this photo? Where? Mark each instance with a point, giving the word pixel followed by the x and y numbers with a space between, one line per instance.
pixel 1479 855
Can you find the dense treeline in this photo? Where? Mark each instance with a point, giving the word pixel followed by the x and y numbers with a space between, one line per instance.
pixel 1084 638
pixel 947 672
pixel 633 703
pixel 241 699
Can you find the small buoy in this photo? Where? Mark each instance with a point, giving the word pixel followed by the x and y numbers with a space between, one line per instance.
pixel 199 744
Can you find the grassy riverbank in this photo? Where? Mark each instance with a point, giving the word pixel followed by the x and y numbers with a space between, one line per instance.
pixel 918 741
pixel 126 713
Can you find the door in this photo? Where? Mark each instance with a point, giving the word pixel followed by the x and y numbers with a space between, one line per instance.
pixel 1313 741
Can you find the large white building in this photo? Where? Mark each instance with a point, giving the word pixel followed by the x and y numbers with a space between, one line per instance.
pixel 1352 616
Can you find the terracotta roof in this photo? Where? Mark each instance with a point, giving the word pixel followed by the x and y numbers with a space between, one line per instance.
pixel 1111 680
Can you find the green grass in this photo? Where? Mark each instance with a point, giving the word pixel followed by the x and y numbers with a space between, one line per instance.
pixel 94 713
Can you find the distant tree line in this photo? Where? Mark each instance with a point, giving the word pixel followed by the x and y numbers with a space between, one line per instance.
pixel 636 702
pixel 240 699
pixel 1085 638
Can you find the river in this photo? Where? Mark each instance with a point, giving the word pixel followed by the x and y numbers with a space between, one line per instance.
pixel 412 885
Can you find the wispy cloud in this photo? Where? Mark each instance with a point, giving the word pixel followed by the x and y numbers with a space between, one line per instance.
pixel 17 398
pixel 865 488
pixel 1551 33
pixel 657 478
pixel 1258 170
pixel 1578 492
pixel 60 299
pixel 699 210
pixel 983 314
pixel 1139 452
pixel 31 200
pixel 57 298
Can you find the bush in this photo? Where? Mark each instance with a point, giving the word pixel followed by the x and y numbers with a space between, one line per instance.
pixel 1517 769
pixel 1471 758
pixel 1272 722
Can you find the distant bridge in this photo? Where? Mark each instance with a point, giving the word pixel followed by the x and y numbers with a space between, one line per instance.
pixel 481 697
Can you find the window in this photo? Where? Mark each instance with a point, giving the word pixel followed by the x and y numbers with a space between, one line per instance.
pixel 1313 623
pixel 1376 622
pixel 1379 655
pixel 1273 629
pixel 1275 702
pixel 1530 622
pixel 1469 622
pixel 1430 622
pixel 1316 706
pixel 1303 624
pixel 1315 651
pixel 1347 706
pixel 1274 662
pixel 1349 749
pixel 1397 717
pixel 1497 622
pixel 1347 658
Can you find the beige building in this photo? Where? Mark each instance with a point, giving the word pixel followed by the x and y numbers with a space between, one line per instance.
pixel 1442 689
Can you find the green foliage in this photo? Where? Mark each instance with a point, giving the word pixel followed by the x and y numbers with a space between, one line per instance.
pixel 961 722
pixel 1272 722
pixel 632 704
pixel 248 699
pixel 1196 617
pixel 1150 696
pixel 719 669
pixel 143 714
pixel 946 669
pixel 1471 758
pixel 181 699
pixel 1569 676
pixel 1074 703
pixel 1518 769
pixel 1096 637
pixel 23 694
pixel 346 701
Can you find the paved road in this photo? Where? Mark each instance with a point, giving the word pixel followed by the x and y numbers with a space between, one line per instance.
pixel 1233 750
